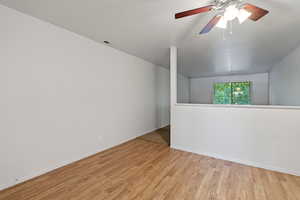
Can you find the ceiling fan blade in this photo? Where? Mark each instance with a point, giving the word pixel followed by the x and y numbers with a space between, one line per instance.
pixel 211 24
pixel 193 12
pixel 257 12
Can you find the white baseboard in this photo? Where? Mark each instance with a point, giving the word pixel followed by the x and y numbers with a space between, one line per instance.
pixel 241 161
pixel 164 126
pixel 64 163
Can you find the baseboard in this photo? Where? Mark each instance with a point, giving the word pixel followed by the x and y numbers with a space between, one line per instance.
pixel 240 161
pixel 164 126
pixel 42 172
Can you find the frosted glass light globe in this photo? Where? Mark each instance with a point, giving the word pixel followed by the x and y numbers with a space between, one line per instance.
pixel 243 15
pixel 222 23
pixel 231 12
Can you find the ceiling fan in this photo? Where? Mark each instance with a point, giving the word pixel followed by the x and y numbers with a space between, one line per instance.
pixel 228 10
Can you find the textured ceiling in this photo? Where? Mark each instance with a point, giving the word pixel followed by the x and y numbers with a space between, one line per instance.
pixel 147 28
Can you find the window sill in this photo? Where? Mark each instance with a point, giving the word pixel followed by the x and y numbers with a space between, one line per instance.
pixel 239 106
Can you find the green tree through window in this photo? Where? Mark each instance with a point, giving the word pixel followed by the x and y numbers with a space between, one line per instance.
pixel 232 93
pixel 222 93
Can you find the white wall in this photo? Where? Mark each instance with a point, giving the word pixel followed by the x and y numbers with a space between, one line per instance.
pixel 285 81
pixel 202 88
pixel 162 92
pixel 183 89
pixel 64 97
pixel 267 138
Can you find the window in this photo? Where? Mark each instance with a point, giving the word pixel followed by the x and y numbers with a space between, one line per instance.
pixel 232 93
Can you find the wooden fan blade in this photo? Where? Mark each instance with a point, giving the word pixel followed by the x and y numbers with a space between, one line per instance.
pixel 211 24
pixel 257 12
pixel 193 12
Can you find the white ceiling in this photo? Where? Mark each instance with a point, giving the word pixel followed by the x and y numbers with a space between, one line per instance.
pixel 147 28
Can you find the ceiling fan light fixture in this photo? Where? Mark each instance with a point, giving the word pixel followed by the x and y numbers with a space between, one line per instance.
pixel 222 23
pixel 227 10
pixel 243 15
pixel 231 12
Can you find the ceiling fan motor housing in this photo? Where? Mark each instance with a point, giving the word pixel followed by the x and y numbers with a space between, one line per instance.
pixel 221 5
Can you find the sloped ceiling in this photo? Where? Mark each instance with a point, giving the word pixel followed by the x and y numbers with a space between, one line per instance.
pixel 147 28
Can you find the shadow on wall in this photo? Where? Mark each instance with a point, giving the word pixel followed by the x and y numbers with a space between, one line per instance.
pixel 162 86
pixel 183 89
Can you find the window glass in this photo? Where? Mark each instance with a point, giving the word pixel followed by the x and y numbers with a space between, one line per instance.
pixel 240 93
pixel 222 93
pixel 232 93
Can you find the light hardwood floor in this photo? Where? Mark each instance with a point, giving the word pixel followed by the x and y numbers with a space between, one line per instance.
pixel 143 170
pixel 161 136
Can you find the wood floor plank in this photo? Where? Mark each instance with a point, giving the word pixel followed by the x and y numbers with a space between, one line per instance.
pixel 144 170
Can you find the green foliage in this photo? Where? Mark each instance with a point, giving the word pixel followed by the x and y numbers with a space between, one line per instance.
pixel 240 93
pixel 222 93
pixel 232 93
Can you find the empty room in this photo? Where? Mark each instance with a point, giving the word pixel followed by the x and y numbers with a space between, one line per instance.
pixel 149 100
